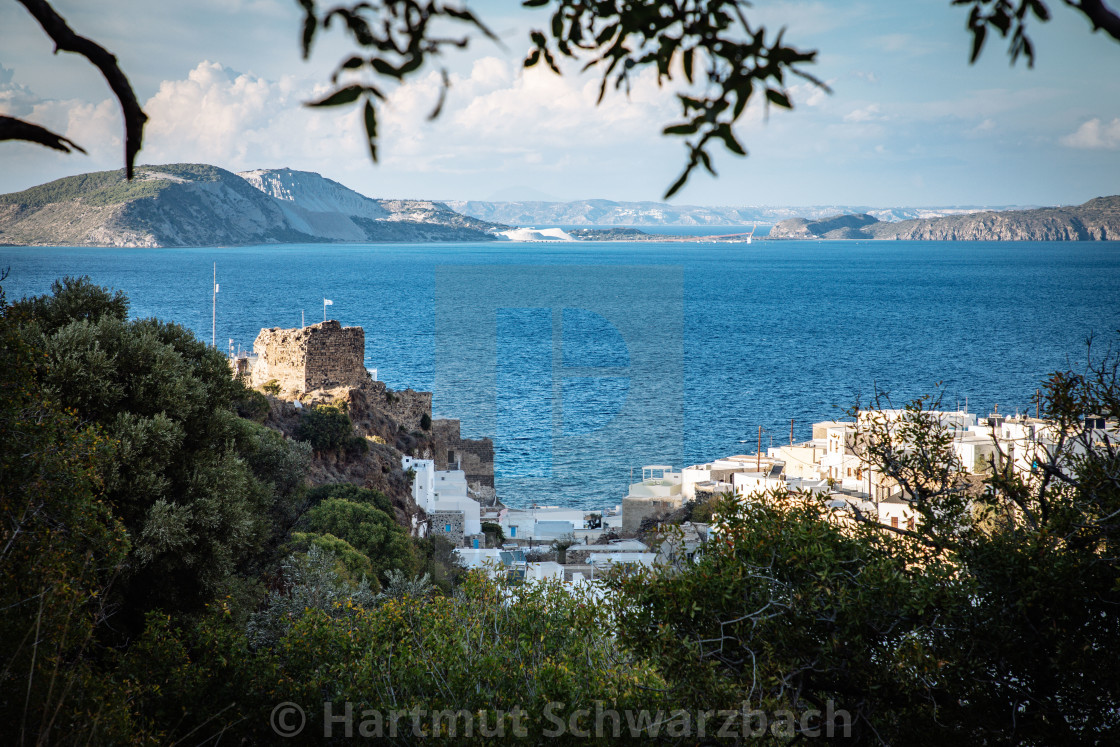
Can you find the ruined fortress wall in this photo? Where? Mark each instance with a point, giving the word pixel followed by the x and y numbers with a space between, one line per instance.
pixel 406 406
pixel 315 357
pixel 478 461
pixel 474 456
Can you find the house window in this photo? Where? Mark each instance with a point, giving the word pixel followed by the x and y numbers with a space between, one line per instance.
pixel 450 457
pixel 910 523
pixel 894 522
pixel 447 528
pixel 513 531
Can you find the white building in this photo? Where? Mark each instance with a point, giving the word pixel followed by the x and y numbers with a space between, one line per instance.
pixel 443 491
pixel 544 523
pixel 658 493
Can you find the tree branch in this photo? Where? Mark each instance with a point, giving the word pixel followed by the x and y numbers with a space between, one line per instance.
pixel 67 41
pixel 17 129
pixel 1099 14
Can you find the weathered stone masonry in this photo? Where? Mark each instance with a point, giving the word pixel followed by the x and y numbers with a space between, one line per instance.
pixel 441 520
pixel 474 456
pixel 315 357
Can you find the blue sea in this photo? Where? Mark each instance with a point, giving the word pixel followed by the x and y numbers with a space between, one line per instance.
pixel 587 360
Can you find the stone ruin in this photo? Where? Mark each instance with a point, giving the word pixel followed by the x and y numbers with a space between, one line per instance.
pixel 474 456
pixel 318 356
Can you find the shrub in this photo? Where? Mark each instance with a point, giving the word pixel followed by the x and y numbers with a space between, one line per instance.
pixel 272 386
pixel 325 427
pixel 494 534
pixel 253 405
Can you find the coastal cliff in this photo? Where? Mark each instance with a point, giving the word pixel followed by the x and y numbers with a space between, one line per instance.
pixel 1096 220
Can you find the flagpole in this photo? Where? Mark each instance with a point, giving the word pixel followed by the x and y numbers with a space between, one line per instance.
pixel 214 312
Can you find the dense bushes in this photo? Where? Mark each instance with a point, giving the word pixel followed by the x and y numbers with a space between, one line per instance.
pixel 165 576
pixel 328 428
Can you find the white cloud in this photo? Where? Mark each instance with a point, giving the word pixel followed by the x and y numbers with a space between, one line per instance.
pixel 497 107
pixel 810 94
pixel 240 120
pixel 986 126
pixel 1095 135
pixel 97 127
pixel 16 100
pixel 869 113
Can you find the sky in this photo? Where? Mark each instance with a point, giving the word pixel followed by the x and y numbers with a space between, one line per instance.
pixel 908 123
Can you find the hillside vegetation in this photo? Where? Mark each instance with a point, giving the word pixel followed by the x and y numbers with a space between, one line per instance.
pixel 170 577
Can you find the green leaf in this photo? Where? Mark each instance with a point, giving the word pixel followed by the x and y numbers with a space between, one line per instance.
pixel 681 129
pixel 978 34
pixel 342 96
pixel 370 117
pixel 310 24
pixel 778 98
pixel 680 182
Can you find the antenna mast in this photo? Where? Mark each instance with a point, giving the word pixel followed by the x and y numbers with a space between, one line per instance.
pixel 214 312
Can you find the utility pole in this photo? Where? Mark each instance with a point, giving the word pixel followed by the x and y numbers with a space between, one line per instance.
pixel 1037 401
pixel 791 431
pixel 758 452
pixel 214 312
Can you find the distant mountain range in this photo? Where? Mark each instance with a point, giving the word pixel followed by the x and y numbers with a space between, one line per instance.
pixel 612 213
pixel 200 205
pixel 1096 220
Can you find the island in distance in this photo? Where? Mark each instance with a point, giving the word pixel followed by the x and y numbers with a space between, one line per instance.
pixel 202 205
pixel 1096 220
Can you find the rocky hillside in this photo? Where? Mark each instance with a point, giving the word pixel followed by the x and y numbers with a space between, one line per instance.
pixel 1096 220
pixel 200 205
pixel 836 227
pixel 323 207
pixel 388 434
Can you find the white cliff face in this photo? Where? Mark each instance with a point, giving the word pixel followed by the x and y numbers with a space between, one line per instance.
pixel 313 193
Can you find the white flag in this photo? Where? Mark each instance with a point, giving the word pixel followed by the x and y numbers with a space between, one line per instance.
pixel 328 302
